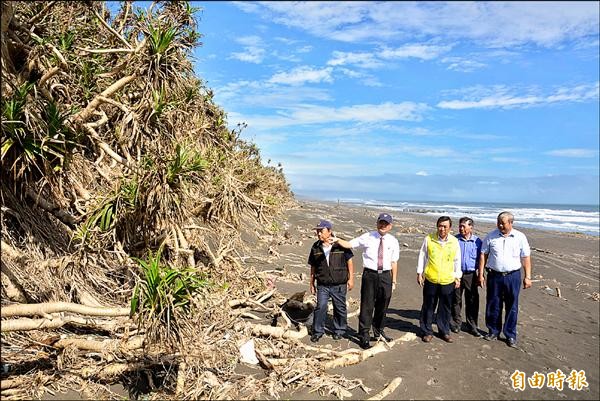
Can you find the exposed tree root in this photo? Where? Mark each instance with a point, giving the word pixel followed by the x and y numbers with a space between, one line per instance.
pixel 54 307
pixel 389 389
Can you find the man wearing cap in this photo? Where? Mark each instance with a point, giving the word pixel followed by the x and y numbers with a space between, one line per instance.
pixel 331 266
pixel 380 262
pixel 439 273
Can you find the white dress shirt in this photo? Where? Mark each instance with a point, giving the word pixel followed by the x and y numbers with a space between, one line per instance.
pixel 505 253
pixel 370 243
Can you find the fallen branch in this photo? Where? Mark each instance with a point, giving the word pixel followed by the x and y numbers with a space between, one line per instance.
pixel 26 324
pixel 387 390
pixel 54 307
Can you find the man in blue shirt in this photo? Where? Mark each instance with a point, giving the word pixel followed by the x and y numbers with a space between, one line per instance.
pixel 470 248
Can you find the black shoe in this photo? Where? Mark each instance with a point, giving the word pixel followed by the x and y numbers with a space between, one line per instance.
pixel 381 334
pixel 336 336
pixel 316 337
pixel 364 343
pixel 490 337
pixel 511 342
pixel 475 333
pixel 455 329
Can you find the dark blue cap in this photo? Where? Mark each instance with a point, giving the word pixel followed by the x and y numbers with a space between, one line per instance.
pixel 324 224
pixel 385 217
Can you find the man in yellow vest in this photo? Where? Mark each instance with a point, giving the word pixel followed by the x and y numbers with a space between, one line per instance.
pixel 439 273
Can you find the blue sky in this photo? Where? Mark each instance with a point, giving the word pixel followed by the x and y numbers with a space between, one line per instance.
pixel 459 101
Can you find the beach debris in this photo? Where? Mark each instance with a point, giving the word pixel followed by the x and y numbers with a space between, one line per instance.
pixel 594 296
pixel 404 244
pixel 273 252
pixel 247 353
pixel 558 292
pixel 355 356
pixel 387 390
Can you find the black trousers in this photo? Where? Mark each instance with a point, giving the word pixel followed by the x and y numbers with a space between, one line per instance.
pixel 375 295
pixel 468 287
pixel 439 295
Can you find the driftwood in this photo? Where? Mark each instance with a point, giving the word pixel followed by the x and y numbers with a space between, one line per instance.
pixel 279 332
pixel 112 371
pixel 26 324
pixel 354 358
pixel 387 390
pixel 54 307
pixel 101 346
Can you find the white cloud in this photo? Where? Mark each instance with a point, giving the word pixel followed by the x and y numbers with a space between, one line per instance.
pixel 422 173
pixel 301 75
pixel 263 94
pixel 462 64
pixel 254 51
pixel 420 51
pixel 310 114
pixel 573 152
pixel 304 49
pixel 251 40
pixel 496 24
pixel 503 97
pixel 363 60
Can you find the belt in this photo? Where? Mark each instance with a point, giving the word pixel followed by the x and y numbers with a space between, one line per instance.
pixel 492 271
pixel 376 271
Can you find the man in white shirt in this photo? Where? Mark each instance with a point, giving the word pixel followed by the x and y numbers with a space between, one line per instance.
pixel 380 262
pixel 503 252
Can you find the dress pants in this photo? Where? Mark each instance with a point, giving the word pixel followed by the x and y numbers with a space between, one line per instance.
pixel 502 291
pixel 375 295
pixel 468 287
pixel 337 293
pixel 440 295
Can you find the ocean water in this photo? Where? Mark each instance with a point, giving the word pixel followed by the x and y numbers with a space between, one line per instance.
pixel 569 218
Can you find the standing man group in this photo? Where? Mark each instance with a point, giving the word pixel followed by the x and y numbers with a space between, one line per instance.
pixel 446 269
pixel 380 264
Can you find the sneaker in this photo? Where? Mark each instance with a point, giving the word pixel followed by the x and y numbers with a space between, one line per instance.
pixel 336 336
pixel 455 329
pixel 511 342
pixel 381 334
pixel 490 337
pixel 315 337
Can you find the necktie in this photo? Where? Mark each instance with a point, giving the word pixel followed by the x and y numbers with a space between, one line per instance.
pixel 380 256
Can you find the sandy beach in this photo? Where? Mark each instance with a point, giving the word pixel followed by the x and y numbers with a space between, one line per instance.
pixel 558 317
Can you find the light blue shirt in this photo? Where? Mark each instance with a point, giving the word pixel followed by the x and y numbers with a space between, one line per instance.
pixel 505 253
pixel 469 252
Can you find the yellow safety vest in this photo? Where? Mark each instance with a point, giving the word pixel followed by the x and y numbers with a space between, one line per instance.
pixel 440 259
